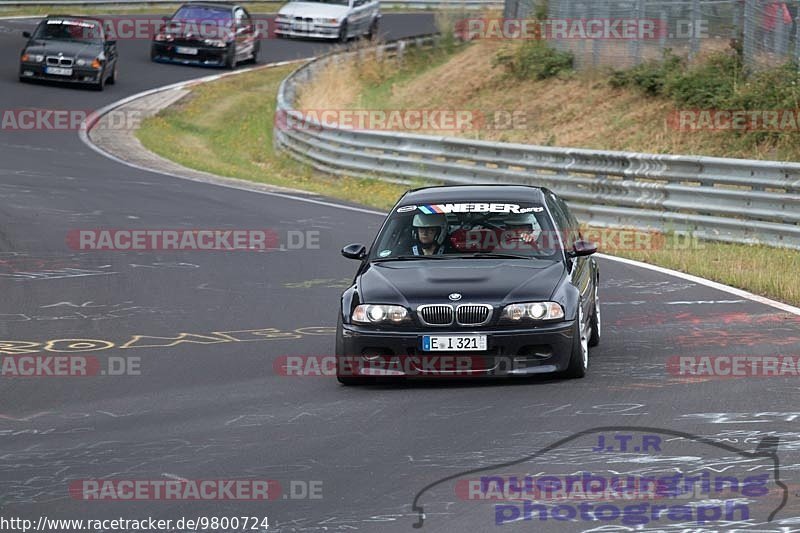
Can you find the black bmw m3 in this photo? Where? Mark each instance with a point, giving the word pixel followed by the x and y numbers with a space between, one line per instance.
pixel 69 49
pixel 471 281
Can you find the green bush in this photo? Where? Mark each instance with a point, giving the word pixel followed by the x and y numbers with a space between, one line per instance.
pixel 710 84
pixel 650 77
pixel 770 89
pixel 534 60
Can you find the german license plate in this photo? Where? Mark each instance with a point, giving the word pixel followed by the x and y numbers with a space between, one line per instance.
pixel 454 343
pixel 301 27
pixel 58 71
pixel 186 51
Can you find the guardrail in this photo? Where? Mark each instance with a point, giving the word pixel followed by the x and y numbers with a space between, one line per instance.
pixel 732 200
pixel 467 4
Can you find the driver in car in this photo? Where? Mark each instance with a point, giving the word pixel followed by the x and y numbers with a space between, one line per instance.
pixel 429 233
pixel 522 226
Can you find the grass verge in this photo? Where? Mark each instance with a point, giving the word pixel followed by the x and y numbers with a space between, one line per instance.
pixel 763 270
pixel 225 127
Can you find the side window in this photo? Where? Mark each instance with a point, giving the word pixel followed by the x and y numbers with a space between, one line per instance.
pixel 359 3
pixel 574 226
pixel 561 219
pixel 238 16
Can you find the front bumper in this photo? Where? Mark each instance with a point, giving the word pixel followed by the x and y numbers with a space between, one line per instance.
pixel 310 31
pixel 519 352
pixel 36 71
pixel 205 56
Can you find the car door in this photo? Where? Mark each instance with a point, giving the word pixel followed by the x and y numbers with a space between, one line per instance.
pixel 110 51
pixel 245 35
pixel 359 17
pixel 580 267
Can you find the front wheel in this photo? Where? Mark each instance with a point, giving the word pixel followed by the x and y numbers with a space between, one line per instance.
pixel 343 32
pixel 579 359
pixel 113 78
pixel 256 50
pixel 595 323
pixel 372 34
pixel 101 82
pixel 230 59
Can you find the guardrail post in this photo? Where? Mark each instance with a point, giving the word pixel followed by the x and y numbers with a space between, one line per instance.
pixel 797 36
pixel 695 38
pixel 749 32
pixel 636 44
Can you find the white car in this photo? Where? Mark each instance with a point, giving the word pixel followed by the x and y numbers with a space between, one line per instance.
pixel 328 19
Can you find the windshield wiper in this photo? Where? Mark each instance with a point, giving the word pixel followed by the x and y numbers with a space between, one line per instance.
pixel 412 258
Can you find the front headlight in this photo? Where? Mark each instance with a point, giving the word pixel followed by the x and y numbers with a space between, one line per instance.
pixel 161 37
pixel 32 58
pixel 219 43
pixel 533 311
pixel 82 62
pixel 329 21
pixel 380 314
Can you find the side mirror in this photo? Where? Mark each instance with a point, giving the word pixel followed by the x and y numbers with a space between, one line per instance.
pixel 26 34
pixel 111 42
pixel 355 251
pixel 582 249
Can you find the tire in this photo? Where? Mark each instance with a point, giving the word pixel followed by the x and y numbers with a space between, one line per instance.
pixel 596 323
pixel 256 50
pixel 372 34
pixel 579 358
pixel 113 78
pixel 101 83
pixel 230 60
pixel 343 32
pixel 153 54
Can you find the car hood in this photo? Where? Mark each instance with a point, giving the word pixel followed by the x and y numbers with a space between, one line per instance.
pixel 478 281
pixel 313 10
pixel 69 49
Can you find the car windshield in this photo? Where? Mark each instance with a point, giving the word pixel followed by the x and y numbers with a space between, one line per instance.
pixel 69 30
pixel 202 13
pixel 333 2
pixel 467 230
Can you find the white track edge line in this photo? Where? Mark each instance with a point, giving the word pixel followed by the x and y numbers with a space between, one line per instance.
pixel 708 283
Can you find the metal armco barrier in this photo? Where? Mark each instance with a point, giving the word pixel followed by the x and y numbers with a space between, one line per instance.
pixel 732 200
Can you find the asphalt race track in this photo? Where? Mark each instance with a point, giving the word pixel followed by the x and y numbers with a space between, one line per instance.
pixel 206 328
